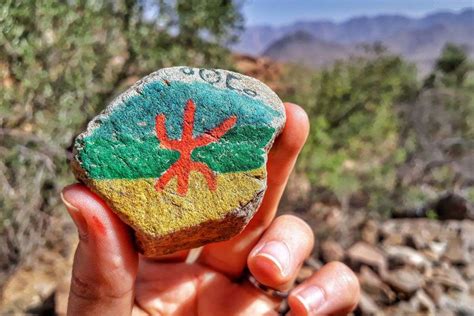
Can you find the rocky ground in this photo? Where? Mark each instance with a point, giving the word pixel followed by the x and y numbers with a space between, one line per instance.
pixel 405 266
pixel 408 266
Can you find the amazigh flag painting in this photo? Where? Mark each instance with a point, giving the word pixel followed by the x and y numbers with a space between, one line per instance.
pixel 181 155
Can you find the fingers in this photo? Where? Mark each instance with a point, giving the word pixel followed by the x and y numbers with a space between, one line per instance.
pixel 279 254
pixel 333 290
pixel 230 256
pixel 105 263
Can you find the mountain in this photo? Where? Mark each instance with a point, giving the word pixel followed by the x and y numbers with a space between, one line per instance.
pixel 418 39
pixel 307 49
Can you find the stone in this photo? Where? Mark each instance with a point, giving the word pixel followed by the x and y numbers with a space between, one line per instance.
pixel 416 241
pixel 446 312
pixel 181 155
pixel 425 304
pixel 367 306
pixel 304 273
pixel 436 250
pixel 394 239
pixel 435 291
pixel 403 308
pixel 405 280
pixel 362 253
pixel 456 252
pixel 370 232
pixel 449 278
pixel 374 286
pixel 468 272
pixel 313 263
pixel 454 206
pixel 403 256
pixel 331 251
pixel 460 303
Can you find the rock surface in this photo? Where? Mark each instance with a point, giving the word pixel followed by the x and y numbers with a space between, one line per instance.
pixel 404 266
pixel 180 156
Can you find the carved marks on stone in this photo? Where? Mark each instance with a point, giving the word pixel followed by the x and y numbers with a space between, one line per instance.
pixel 213 76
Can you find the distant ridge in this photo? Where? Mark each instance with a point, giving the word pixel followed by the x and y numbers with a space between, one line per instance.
pixel 306 49
pixel 418 39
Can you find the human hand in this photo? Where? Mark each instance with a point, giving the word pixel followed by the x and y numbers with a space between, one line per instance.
pixel 110 278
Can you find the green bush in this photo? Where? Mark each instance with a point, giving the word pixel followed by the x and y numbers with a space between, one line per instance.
pixel 380 132
pixel 354 141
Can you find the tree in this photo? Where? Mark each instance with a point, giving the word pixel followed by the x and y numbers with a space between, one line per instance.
pixel 60 63
pixel 354 141
pixel 452 65
pixel 439 123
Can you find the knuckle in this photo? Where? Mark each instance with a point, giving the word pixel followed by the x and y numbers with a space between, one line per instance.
pixel 84 289
pixel 83 237
pixel 90 289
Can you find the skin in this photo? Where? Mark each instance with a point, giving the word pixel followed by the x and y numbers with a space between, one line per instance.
pixel 111 278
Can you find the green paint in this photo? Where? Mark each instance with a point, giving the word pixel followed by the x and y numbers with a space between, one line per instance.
pixel 125 157
pixel 137 114
pixel 125 145
pixel 239 150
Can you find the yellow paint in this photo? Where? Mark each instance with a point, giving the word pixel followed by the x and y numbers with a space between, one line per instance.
pixel 160 213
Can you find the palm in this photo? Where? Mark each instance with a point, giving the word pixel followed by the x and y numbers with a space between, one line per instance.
pixel 182 289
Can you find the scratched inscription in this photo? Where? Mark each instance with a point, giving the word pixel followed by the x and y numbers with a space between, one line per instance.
pixel 213 76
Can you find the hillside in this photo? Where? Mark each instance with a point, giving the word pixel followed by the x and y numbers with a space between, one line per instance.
pixel 418 39
pixel 307 49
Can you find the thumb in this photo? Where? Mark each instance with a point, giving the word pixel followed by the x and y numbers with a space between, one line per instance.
pixel 105 263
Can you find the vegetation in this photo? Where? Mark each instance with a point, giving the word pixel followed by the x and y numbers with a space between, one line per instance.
pixel 60 62
pixel 379 135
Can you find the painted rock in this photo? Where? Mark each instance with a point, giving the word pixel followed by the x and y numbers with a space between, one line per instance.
pixel 180 156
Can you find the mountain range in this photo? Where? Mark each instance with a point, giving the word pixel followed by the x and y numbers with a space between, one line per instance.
pixel 321 42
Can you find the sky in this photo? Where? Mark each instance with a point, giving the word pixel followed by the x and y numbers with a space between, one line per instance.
pixel 280 12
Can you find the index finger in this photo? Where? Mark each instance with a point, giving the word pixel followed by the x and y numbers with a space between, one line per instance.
pixel 230 256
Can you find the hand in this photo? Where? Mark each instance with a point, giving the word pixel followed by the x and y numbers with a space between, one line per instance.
pixel 111 278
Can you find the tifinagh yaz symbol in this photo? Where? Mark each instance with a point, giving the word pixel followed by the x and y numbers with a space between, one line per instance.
pixel 185 146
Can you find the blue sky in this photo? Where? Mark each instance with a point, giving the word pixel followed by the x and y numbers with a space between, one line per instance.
pixel 279 12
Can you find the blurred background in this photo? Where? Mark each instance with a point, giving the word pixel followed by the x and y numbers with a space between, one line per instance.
pixel 385 179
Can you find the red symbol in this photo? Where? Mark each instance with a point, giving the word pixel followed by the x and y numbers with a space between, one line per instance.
pixel 185 146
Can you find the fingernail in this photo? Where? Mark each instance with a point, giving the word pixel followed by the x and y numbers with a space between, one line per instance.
pixel 76 216
pixel 311 297
pixel 278 253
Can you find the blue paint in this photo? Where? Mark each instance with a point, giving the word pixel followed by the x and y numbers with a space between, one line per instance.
pixel 136 115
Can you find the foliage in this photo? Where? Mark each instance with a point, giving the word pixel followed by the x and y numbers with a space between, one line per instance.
pixel 377 132
pixel 441 121
pixel 60 62
pixel 453 64
pixel 353 144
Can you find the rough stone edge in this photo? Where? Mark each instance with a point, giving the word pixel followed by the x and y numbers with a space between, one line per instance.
pixel 235 221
